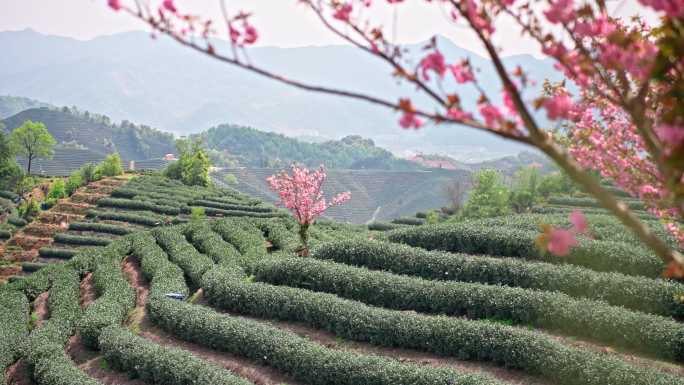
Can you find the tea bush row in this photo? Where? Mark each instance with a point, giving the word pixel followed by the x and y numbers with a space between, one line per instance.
pixel 81 240
pixel 208 242
pixel 14 315
pixel 193 263
pixel 156 364
pixel 479 238
pixel 164 276
pixel 130 204
pixel 507 346
pixel 651 334
pixel 100 228
pixel 303 359
pixel 139 219
pixel 638 293
pixel 230 206
pixel 591 202
pixel 244 235
pixel 115 295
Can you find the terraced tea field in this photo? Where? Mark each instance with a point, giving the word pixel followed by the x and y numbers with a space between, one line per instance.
pixel 145 295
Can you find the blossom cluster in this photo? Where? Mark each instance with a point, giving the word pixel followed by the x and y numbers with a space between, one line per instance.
pixel 302 193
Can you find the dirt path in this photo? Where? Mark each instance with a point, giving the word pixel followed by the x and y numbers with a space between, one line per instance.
pixel 138 321
pixel 40 309
pixel 18 374
pixel 87 291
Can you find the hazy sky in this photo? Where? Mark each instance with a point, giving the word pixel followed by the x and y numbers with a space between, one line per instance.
pixel 281 22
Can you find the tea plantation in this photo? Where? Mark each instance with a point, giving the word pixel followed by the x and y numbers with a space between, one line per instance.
pixel 162 283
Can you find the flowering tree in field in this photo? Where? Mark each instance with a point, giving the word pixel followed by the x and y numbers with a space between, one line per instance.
pixel 302 194
pixel 625 119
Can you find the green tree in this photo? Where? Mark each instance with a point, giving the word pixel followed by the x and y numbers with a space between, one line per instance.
pixel 10 173
pixel 192 167
pixel 110 166
pixel 525 189
pixel 32 140
pixel 488 198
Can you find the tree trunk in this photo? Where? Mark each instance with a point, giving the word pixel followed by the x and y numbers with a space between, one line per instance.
pixel 304 239
pixel 28 168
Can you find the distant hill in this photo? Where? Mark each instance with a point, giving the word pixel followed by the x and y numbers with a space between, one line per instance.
pixel 131 76
pixel 245 146
pixel 376 194
pixel 507 165
pixel 10 105
pixel 97 134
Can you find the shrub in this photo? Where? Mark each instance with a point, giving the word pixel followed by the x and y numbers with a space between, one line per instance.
pixel 648 295
pixel 49 252
pixel 480 238
pixel 230 206
pixel 110 166
pixel 100 228
pixel 244 236
pixel 74 181
pixel 146 220
pixel 659 336
pixel 488 198
pixel 409 221
pixel 57 190
pixel 164 276
pixel 305 360
pixel 160 365
pixel 5 234
pixel 116 296
pixel 10 195
pixel 383 226
pixel 193 263
pixel 16 221
pixel 508 346
pixel 69 239
pixel 208 242
pixel 197 214
pixel 89 173
pixel 14 315
pixel 591 202
pixel 28 209
pixel 129 204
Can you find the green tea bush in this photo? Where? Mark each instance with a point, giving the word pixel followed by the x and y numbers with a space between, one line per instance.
pixel 16 221
pixel 10 195
pixel 57 190
pixel 384 226
pixel 479 238
pixel 50 252
pixel 116 296
pixel 208 242
pixel 240 213
pixel 14 315
pixel 651 334
pixel 156 364
pixel 129 204
pixel 146 220
pixel 163 275
pixel 228 206
pixel 591 202
pixel 245 236
pixel 100 228
pixel 305 360
pixel 69 239
pixel 193 263
pixel 5 234
pixel 409 221
pixel 643 294
pixel 74 181
pixel 507 346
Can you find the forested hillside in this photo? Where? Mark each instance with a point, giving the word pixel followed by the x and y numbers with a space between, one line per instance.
pixel 10 105
pixel 97 133
pixel 234 145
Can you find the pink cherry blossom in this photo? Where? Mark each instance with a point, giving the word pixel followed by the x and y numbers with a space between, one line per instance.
pixel 433 62
pixel 302 193
pixel 343 12
pixel 561 11
pixel 559 107
pixel 410 120
pixel 670 134
pixel 462 73
pixel 672 8
pixel 491 114
pixel 169 6
pixel 114 4
pixel 561 241
pixel 579 222
pixel 458 114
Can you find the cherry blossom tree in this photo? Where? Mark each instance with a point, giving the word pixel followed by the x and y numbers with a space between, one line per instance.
pixel 625 120
pixel 302 194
